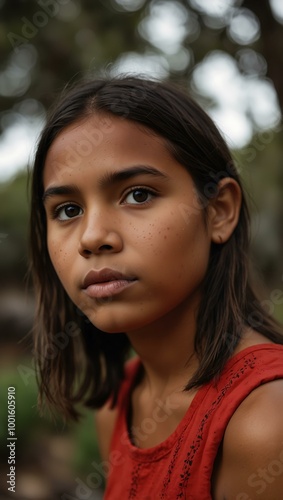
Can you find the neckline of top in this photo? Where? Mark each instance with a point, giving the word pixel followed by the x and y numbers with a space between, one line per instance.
pixel 163 448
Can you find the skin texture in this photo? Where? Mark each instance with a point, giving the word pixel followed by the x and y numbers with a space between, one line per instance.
pixel 251 460
pixel 133 223
pixel 150 241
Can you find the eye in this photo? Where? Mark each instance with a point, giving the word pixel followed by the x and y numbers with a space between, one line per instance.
pixel 139 196
pixel 67 212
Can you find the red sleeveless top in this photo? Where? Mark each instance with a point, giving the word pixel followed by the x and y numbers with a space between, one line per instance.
pixel 181 466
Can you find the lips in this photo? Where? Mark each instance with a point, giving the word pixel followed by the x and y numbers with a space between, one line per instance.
pixel 105 283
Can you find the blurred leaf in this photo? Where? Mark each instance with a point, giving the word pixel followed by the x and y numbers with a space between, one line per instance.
pixel 13 228
pixel 28 420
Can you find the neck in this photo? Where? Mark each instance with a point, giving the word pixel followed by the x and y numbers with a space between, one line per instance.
pixel 166 349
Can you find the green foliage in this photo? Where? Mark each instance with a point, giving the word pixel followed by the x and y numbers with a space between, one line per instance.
pixel 30 424
pixel 14 203
pixel 86 446
pixel 28 420
pixel 13 229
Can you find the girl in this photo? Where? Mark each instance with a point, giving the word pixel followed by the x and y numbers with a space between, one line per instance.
pixel 139 238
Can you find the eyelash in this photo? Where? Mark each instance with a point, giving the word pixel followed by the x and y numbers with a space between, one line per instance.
pixel 56 211
pixel 147 190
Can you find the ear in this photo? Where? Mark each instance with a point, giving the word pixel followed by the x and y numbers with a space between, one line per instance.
pixel 224 210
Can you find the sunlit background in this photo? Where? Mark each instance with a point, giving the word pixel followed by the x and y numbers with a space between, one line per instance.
pixel 228 54
pixel 244 98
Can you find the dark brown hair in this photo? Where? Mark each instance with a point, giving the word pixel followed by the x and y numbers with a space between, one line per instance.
pixel 76 361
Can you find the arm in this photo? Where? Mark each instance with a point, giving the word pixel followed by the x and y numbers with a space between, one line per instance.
pixel 251 465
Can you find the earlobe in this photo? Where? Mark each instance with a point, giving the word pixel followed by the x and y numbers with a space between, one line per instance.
pixel 225 210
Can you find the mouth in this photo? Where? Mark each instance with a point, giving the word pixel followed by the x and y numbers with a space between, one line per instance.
pixel 106 283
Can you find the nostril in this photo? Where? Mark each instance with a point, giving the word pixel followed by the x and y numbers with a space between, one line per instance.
pixel 105 247
pixel 99 240
pixel 86 252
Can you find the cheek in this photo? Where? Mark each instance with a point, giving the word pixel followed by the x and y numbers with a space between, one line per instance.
pixel 58 257
pixel 183 251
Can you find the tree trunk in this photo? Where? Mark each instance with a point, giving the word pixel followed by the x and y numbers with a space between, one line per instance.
pixel 271 43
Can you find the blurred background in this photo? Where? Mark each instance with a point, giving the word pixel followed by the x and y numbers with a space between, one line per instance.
pixel 228 53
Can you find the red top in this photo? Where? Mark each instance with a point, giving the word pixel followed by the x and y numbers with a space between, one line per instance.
pixel 182 465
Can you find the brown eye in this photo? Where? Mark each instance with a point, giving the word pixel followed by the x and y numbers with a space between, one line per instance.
pixel 67 212
pixel 139 196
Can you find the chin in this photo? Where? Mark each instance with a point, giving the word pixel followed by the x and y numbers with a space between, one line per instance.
pixel 114 326
pixel 110 330
pixel 107 326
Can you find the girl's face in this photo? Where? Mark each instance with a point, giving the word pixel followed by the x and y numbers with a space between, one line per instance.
pixel 125 231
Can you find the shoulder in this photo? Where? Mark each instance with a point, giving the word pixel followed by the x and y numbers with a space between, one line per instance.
pixel 252 453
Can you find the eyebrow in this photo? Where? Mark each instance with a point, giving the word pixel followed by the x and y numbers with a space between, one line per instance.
pixel 57 190
pixel 108 179
pixel 128 173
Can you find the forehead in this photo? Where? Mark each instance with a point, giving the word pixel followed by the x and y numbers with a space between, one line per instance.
pixel 103 131
pixel 105 140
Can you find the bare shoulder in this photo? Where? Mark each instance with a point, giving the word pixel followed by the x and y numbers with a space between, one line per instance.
pixel 251 463
pixel 105 419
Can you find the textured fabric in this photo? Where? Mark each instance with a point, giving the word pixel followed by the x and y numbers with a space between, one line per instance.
pixel 182 465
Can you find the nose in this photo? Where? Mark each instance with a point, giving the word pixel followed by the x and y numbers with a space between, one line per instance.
pixel 100 234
